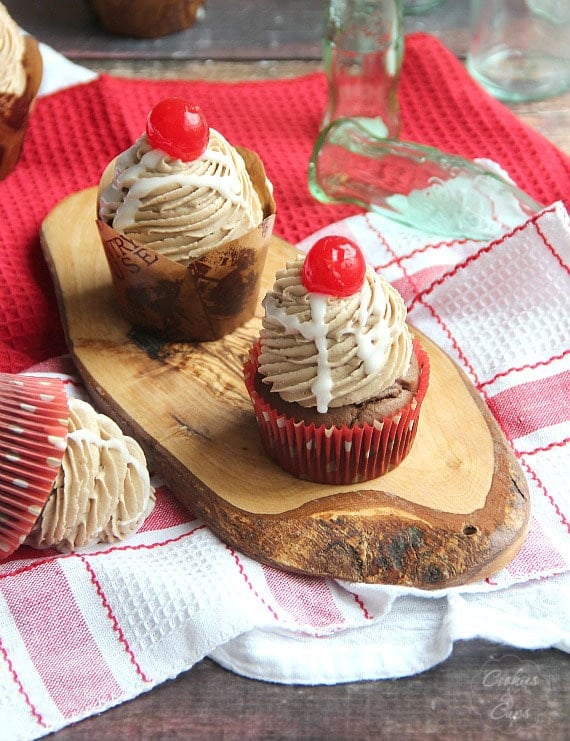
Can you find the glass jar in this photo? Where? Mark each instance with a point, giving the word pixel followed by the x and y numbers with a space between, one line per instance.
pixel 520 49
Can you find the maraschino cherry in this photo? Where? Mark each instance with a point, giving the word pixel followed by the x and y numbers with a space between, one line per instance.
pixel 334 266
pixel 178 128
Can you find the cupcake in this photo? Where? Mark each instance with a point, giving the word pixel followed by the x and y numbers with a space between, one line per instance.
pixel 20 77
pixel 33 437
pixel 68 476
pixel 336 379
pixel 185 219
pixel 146 18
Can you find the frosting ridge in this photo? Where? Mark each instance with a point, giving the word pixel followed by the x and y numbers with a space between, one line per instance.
pixel 181 209
pixel 102 491
pixel 323 351
pixel 12 71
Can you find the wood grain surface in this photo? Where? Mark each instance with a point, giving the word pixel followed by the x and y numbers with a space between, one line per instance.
pixel 455 510
pixel 448 703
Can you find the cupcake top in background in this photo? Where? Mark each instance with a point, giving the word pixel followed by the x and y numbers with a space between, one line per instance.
pixel 334 332
pixel 13 77
pixel 181 189
pixel 21 69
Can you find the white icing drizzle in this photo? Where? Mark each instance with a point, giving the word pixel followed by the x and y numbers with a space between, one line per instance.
pixel 181 209
pixel 368 327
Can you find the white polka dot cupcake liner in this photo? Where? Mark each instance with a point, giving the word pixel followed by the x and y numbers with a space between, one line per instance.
pixel 337 455
pixel 34 418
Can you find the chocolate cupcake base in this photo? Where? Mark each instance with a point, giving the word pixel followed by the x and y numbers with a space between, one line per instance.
pixel 330 451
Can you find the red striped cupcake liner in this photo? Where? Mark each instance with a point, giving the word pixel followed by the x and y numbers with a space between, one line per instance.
pixel 337 455
pixel 34 418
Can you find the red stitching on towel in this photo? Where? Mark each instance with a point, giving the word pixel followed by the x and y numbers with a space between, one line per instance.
pixel 453 341
pixel 21 689
pixel 382 239
pixel 545 448
pixel 430 308
pixel 30 566
pixel 116 627
pixel 138 547
pixel 398 259
pixel 147 547
pixel 529 366
pixel 550 247
pixel 249 584
pixel 520 456
pixel 360 603
pixel 541 486
pixel 476 255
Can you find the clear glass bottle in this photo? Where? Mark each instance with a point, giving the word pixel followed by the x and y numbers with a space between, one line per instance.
pixel 363 48
pixel 411 184
pixel 520 49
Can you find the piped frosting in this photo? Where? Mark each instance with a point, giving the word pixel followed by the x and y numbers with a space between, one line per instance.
pixel 102 491
pixel 323 351
pixel 12 47
pixel 181 209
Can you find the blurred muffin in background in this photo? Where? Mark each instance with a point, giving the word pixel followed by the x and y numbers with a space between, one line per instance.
pixel 146 18
pixel 20 77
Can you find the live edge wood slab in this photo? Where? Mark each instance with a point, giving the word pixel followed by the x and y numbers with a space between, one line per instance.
pixel 455 511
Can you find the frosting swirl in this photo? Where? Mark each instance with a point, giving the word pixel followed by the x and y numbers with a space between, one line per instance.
pixel 181 209
pixel 12 71
pixel 102 492
pixel 322 351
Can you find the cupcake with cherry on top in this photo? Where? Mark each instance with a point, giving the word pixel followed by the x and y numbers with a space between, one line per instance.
pixel 336 379
pixel 185 220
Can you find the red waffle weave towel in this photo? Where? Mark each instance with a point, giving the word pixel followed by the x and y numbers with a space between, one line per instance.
pixel 76 132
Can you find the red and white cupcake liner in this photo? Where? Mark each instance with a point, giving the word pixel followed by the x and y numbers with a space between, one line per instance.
pixel 337 455
pixel 34 418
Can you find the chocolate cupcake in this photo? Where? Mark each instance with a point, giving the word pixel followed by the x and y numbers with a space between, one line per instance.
pixel 336 378
pixel 185 219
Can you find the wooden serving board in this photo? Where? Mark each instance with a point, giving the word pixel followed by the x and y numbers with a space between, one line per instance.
pixel 456 510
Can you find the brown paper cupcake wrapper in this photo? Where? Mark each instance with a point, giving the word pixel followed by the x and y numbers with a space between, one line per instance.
pixel 34 419
pixel 345 455
pixel 214 295
pixel 15 110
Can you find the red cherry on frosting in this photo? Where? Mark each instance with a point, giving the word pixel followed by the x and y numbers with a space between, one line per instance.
pixel 334 266
pixel 178 128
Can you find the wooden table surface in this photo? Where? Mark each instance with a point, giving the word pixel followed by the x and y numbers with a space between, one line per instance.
pixel 256 39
